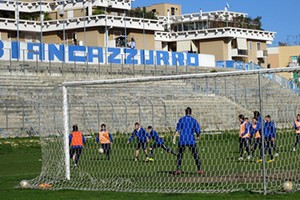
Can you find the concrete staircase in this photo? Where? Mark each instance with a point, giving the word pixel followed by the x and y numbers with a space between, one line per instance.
pixel 31 99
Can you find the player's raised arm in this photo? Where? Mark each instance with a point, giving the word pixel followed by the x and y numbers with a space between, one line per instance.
pixel 131 137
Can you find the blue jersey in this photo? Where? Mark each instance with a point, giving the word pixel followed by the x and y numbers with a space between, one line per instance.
pixel 187 126
pixel 248 129
pixel 154 135
pixel 258 125
pixel 269 129
pixel 140 134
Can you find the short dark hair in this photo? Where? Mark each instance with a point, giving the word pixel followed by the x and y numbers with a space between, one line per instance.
pixel 268 116
pixel 241 117
pixel 150 127
pixel 103 125
pixel 256 113
pixel 75 127
pixel 298 115
pixel 246 118
pixel 136 123
pixel 188 111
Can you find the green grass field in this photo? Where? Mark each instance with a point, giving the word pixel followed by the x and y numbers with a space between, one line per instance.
pixel 21 159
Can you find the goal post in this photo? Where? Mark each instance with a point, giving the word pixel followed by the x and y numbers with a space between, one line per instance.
pixel 216 99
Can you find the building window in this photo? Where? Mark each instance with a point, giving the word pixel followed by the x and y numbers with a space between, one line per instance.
pixel 186 27
pixel 250 46
pixel 172 11
pixel 258 46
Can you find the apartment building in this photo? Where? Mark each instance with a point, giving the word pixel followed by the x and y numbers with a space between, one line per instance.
pixel 113 23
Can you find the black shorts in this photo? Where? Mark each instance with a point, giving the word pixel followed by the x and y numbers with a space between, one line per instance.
pixel 141 145
pixel 105 147
pixel 76 150
pixel 155 145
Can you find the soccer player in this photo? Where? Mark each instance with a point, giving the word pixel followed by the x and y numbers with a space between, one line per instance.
pixel 105 139
pixel 187 126
pixel 258 124
pixel 158 142
pixel 257 136
pixel 142 139
pixel 244 136
pixel 270 135
pixel 76 141
pixel 297 128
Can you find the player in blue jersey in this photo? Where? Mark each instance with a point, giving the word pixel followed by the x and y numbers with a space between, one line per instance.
pixel 187 126
pixel 158 142
pixel 256 134
pixel 142 139
pixel 270 135
pixel 256 115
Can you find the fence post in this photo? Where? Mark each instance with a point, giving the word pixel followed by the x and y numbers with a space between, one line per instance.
pixel 50 67
pixel 215 85
pixel 23 116
pixel 9 67
pixel 54 117
pixel 262 134
pixel 37 63
pixel 165 115
pixel 155 65
pixel 176 67
pixel 225 90
pixel 126 112
pixel 140 119
pixel 23 67
pixel 99 69
pixel 186 66
pixel 235 92
pixel 39 118
pixel 98 115
pixel 206 86
pixel 75 70
pixel 122 64
pixel 6 116
pixel 87 63
pixel 110 68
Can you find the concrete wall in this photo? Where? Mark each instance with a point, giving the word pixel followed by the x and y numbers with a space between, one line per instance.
pixel 218 48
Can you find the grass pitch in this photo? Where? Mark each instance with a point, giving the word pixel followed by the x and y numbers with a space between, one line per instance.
pixel 21 159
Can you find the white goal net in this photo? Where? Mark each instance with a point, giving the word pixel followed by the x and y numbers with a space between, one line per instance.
pixel 232 154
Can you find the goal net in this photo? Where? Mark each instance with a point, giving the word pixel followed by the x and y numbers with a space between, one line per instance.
pixel 216 100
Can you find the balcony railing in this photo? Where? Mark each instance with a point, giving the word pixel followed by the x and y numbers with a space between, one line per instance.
pixel 239 53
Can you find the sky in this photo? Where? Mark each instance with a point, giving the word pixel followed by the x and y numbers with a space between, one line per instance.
pixel 280 16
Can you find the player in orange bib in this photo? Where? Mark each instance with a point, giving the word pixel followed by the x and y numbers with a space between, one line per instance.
pixel 76 141
pixel 297 128
pixel 256 133
pixel 244 136
pixel 105 139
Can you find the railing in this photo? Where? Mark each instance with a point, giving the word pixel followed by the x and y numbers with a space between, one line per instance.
pixel 229 64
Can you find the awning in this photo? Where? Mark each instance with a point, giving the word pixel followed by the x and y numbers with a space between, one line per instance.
pixel 194 47
pixel 242 43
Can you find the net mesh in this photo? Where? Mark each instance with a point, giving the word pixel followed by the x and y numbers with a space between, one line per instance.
pixel 216 102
